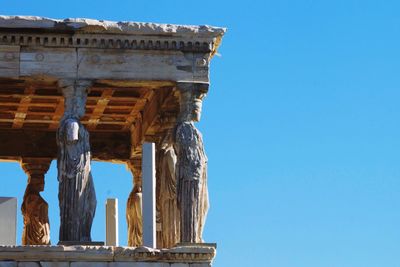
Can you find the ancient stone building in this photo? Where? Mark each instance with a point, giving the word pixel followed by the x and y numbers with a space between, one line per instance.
pixel 78 90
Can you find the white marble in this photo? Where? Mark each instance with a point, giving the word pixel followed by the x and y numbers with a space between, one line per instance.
pixel 8 220
pixel 149 194
pixel 112 222
pixel 103 26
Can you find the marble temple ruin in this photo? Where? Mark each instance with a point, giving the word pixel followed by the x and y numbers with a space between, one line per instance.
pixel 78 90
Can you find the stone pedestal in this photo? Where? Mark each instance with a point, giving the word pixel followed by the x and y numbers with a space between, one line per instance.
pixel 192 255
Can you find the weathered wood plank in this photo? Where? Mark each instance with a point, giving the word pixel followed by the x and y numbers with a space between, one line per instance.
pixel 23 108
pixel 137 108
pixel 9 61
pixel 99 108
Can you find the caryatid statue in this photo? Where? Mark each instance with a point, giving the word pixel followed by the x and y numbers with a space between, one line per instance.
pixel 76 189
pixel 169 211
pixel 134 206
pixel 191 166
pixel 34 208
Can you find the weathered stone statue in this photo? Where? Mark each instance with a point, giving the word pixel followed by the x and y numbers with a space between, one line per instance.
pixel 170 218
pixel 76 190
pixel 34 208
pixel 36 220
pixel 191 166
pixel 134 208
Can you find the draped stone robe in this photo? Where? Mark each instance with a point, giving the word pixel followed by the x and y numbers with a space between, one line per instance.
pixel 191 175
pixel 134 218
pixel 170 217
pixel 76 190
pixel 36 220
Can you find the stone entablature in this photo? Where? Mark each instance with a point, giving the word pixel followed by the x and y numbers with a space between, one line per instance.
pixel 191 255
pixel 92 49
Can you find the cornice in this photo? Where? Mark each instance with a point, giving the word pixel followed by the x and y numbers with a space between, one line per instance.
pixel 79 32
pixel 111 27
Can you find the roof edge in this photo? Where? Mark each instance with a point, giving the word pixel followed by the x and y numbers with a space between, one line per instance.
pixel 84 25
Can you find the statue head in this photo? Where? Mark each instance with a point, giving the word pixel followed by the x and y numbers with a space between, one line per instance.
pixel 36 183
pixel 35 168
pixel 167 124
pixel 191 98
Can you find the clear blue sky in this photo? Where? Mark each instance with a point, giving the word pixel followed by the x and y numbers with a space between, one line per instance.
pixel 301 125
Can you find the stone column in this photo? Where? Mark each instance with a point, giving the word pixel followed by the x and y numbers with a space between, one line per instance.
pixel 76 189
pixel 134 205
pixel 191 165
pixel 149 195
pixel 112 222
pixel 34 208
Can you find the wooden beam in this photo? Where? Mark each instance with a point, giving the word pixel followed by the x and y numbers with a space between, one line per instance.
pixel 57 114
pixel 150 112
pixel 137 108
pixel 105 146
pixel 50 121
pixel 97 98
pixel 99 108
pixel 12 104
pixel 20 114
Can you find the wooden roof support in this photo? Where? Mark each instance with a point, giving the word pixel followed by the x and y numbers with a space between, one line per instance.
pixel 149 114
pixel 138 106
pixel 99 108
pixel 57 114
pixel 105 146
pixel 20 114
